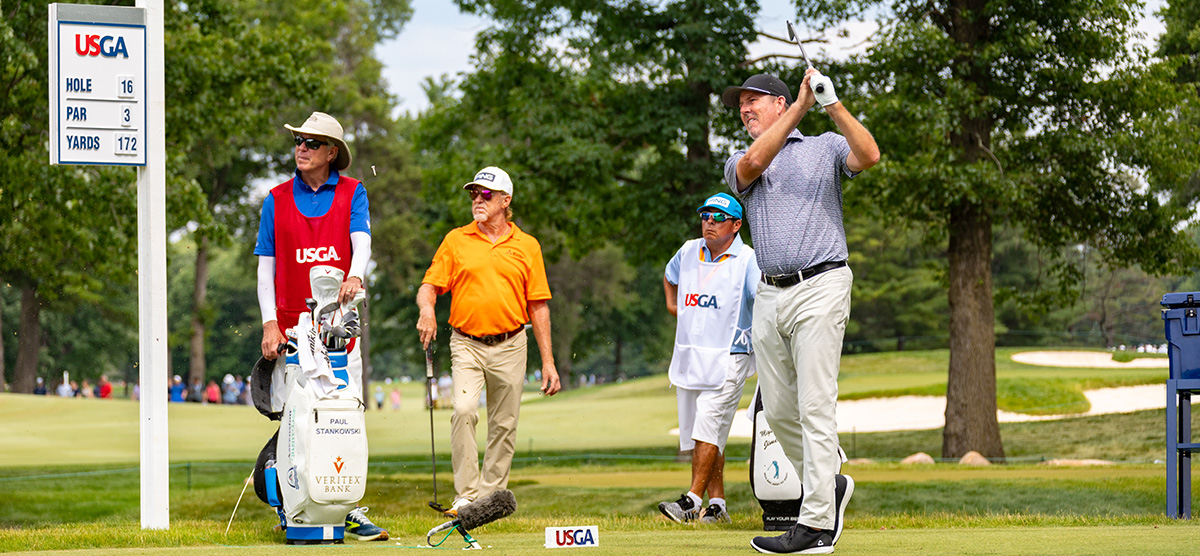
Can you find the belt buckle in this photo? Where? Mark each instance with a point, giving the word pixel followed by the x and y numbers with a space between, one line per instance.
pixel 490 340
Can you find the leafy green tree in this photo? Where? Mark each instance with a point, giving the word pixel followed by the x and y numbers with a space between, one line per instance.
pixel 899 284
pixel 601 111
pixel 63 229
pixel 1025 114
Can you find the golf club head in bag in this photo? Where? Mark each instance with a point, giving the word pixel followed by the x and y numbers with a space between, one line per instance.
pixel 336 322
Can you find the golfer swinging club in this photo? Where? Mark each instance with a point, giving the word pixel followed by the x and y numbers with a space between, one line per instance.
pixel 709 286
pixel 497 281
pixel 791 187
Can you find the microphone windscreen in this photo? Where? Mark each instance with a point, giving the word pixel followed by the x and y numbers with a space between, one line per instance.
pixel 497 505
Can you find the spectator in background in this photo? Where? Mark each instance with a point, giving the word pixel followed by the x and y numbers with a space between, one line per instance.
pixel 196 391
pixel 85 390
pixel 137 392
pixel 379 398
pixel 177 390
pixel 395 399
pixel 229 392
pixel 64 390
pixel 40 388
pixel 75 389
pixel 242 389
pixel 104 389
pixel 212 393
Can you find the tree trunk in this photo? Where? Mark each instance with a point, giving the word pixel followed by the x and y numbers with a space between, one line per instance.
pixel 29 342
pixel 3 382
pixel 971 422
pixel 618 366
pixel 196 365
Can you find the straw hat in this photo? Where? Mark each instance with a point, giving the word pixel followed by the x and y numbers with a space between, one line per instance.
pixel 320 123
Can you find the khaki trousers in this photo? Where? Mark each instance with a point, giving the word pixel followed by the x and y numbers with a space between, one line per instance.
pixel 502 368
pixel 797 338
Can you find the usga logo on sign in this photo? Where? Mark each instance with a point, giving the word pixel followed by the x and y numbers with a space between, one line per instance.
pixel 572 537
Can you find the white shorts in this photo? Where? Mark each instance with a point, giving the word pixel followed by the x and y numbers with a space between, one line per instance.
pixel 706 415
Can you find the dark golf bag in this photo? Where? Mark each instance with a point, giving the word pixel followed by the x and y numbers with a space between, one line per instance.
pixel 317 474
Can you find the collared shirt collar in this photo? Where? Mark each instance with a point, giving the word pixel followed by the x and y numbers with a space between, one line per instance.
pixel 298 182
pixel 473 228
pixel 795 134
pixel 734 250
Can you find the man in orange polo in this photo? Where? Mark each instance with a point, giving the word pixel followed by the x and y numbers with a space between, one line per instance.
pixel 497 281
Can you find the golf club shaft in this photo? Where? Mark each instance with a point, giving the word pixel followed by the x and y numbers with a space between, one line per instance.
pixel 431 383
pixel 792 35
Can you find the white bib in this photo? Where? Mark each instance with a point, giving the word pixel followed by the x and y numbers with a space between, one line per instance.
pixel 708 304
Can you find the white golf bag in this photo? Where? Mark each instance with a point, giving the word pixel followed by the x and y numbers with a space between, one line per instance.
pixel 773 479
pixel 318 472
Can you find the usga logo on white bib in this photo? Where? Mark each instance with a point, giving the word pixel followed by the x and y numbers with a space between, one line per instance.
pixel 316 255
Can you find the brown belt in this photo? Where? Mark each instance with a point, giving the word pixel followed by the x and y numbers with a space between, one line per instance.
pixel 789 280
pixel 493 339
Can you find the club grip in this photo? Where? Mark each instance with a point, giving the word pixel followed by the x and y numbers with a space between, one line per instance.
pixel 821 88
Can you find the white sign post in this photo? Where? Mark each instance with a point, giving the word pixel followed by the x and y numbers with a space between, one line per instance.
pixel 108 106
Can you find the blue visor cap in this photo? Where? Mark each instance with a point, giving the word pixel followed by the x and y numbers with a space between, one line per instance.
pixel 723 202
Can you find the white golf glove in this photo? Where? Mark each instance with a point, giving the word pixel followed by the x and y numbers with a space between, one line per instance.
pixel 822 88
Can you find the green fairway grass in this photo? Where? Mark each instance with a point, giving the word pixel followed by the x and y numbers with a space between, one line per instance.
pixel 622 537
pixel 603 456
pixel 46 430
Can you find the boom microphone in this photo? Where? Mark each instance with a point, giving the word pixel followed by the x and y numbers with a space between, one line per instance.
pixel 497 505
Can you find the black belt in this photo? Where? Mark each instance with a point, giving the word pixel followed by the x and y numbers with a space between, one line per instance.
pixel 789 280
pixel 492 339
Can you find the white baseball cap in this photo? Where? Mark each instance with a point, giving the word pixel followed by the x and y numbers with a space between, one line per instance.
pixel 492 178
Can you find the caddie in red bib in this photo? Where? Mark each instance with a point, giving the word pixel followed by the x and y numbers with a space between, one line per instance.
pixel 319 218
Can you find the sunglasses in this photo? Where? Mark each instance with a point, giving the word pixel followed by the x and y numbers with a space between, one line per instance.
pixel 485 193
pixel 312 144
pixel 715 216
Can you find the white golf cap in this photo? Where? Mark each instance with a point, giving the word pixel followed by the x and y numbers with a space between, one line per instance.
pixel 492 178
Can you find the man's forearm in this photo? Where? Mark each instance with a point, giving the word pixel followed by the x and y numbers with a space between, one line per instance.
pixel 539 317
pixel 426 297
pixel 863 149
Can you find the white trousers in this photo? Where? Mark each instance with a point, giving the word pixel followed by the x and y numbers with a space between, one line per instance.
pixel 797 337
pixel 707 415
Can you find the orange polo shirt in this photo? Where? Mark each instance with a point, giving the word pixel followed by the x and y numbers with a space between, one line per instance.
pixel 490 284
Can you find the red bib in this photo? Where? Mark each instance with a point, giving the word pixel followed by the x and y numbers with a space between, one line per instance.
pixel 302 243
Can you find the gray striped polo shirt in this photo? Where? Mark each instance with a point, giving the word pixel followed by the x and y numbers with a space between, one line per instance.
pixel 794 209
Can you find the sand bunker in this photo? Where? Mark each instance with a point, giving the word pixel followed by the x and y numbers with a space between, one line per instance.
pixel 929 412
pixel 1086 359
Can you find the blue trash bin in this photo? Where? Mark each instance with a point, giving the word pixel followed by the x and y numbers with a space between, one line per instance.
pixel 1182 325
pixel 1183 333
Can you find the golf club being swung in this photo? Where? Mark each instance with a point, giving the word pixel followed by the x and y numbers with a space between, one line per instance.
pixel 792 35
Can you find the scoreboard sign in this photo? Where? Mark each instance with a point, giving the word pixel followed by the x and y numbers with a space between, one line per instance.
pixel 98 85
